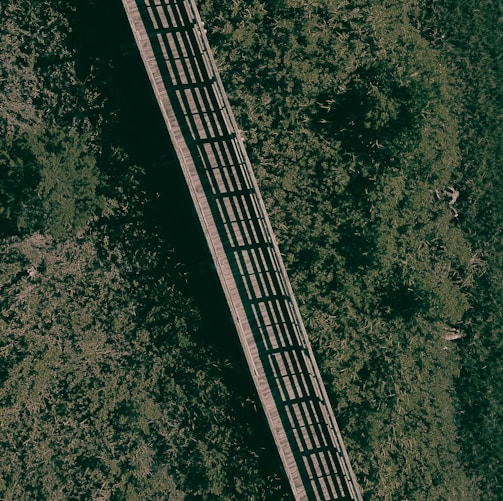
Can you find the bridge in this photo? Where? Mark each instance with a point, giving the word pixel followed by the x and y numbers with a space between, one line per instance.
pixel 177 57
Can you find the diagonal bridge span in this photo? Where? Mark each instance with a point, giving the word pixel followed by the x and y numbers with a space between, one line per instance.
pixel 177 57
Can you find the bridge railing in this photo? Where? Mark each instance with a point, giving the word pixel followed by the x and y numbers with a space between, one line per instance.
pixel 250 251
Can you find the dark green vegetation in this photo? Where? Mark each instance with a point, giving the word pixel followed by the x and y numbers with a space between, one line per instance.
pixel 365 120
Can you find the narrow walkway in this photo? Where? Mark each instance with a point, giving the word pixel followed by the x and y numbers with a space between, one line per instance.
pixel 183 74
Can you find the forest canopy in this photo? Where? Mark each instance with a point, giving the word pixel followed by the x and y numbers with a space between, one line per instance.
pixel 374 129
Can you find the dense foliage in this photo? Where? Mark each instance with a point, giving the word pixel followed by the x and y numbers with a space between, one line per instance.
pixel 375 127
pixel 375 131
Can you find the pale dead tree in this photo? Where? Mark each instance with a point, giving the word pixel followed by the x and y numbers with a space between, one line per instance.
pixel 453 194
pixel 451 334
pixel 102 495
pixel 32 272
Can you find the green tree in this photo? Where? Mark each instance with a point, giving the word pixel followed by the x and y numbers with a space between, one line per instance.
pixel 48 183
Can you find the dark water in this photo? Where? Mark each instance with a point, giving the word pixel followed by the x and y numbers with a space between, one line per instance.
pixel 108 58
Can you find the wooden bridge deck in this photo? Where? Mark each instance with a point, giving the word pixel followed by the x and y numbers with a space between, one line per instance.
pixel 178 60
